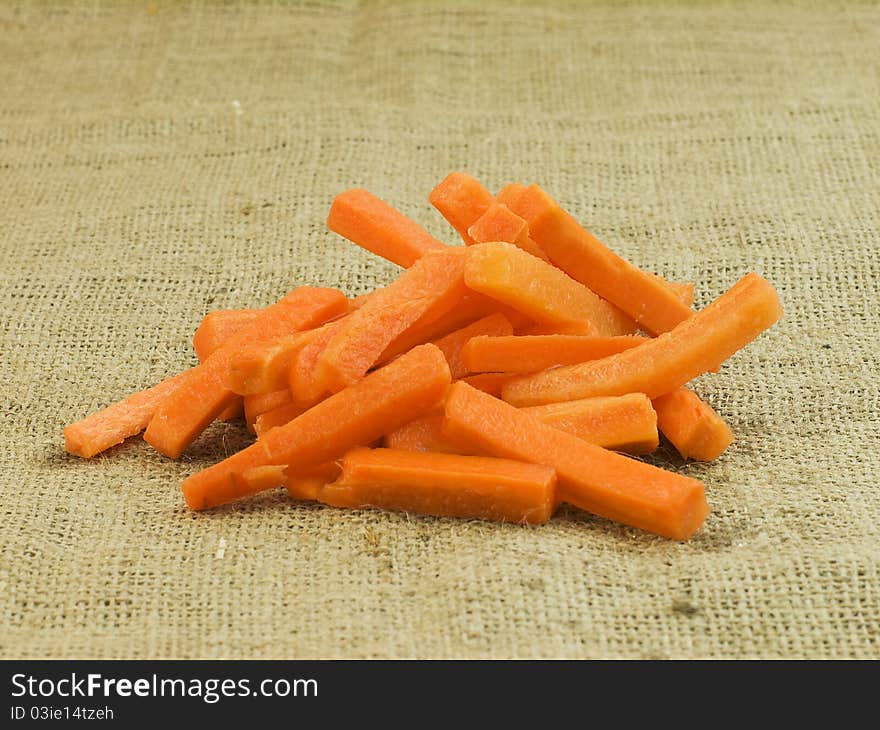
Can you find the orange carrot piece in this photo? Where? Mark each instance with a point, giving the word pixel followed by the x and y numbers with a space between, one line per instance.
pixel 261 478
pixel 509 195
pixel 683 291
pixel 260 403
pixel 444 485
pixel 117 422
pixel 218 326
pixel 371 223
pixel 276 417
pixel 665 363
pixel 302 375
pixel 622 423
pixel 643 296
pixel 306 485
pixel 692 425
pixel 451 345
pixel 602 482
pixel 461 200
pixel 384 400
pixel 490 383
pixel 428 289
pixel 264 367
pixel 538 289
pixel 422 434
pixel 499 223
pixel 532 353
pixel 202 393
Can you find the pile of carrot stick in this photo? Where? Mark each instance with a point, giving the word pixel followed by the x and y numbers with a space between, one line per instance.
pixel 493 380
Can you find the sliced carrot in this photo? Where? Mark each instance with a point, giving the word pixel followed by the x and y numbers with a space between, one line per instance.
pixel 684 291
pixel 371 223
pixel 306 485
pixel 422 434
pixel 500 223
pixel 428 289
pixel 538 289
pixel 264 367
pixel 692 425
pixel 379 403
pixel 115 423
pixel 461 200
pixel 510 194
pixel 260 403
pixel 532 353
pixel 602 482
pixel 643 296
pixel 302 375
pixel 451 345
pixel 490 383
pixel 218 326
pixel 665 363
pixel 202 393
pixel 623 423
pixel 445 485
pixel 276 417
pixel 261 478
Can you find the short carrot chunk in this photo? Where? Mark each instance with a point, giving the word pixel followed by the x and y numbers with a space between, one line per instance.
pixel 500 223
pixel 444 485
pixel 692 425
pixel 602 482
pixel 452 344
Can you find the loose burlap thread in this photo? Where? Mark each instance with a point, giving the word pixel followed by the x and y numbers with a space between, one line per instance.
pixel 158 161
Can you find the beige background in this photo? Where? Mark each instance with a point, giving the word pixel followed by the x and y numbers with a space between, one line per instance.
pixel 158 161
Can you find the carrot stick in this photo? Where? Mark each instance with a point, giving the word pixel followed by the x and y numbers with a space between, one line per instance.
pixel 371 223
pixel 445 485
pixel 218 326
pixel 276 417
pixel 117 422
pixel 461 200
pixel 510 195
pixel 490 383
pixel 381 402
pixel 260 403
pixel 306 485
pixel 302 375
pixel 532 353
pixel 602 482
pixel 451 345
pixel 684 292
pixel 499 223
pixel 422 434
pixel 665 363
pixel 264 367
pixel 428 289
pixel 692 425
pixel 538 289
pixel 202 393
pixel 623 423
pixel 643 296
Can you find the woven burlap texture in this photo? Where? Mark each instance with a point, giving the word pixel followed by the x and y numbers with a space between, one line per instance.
pixel 158 161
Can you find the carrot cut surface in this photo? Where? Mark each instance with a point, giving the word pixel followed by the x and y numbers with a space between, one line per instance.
pixel 451 345
pixel 445 485
pixel 264 367
pixel 490 383
pixel 261 478
pixel 692 425
pixel 461 200
pixel 644 297
pixel 510 194
pixel 256 405
pixel 499 223
pixel 218 326
pixel 305 485
pixel 373 224
pixel 663 364
pixel 532 353
pixel 115 423
pixel 538 289
pixel 622 423
pixel 422 434
pixel 276 417
pixel 202 393
pixel 602 482
pixel 428 289
pixel 302 376
pixel 379 403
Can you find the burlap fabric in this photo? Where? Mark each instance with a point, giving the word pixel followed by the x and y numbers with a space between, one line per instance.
pixel 158 161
